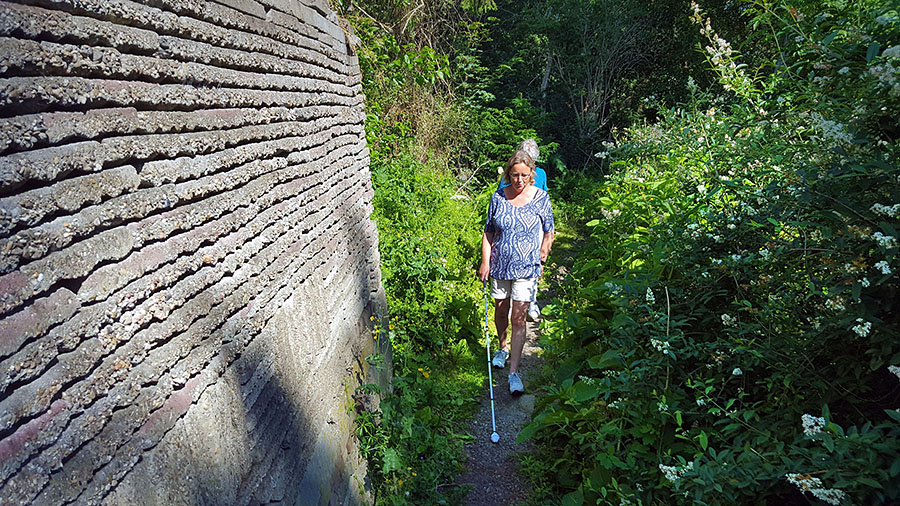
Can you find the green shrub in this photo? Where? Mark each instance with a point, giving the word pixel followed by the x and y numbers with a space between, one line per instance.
pixel 412 435
pixel 734 337
pixel 414 440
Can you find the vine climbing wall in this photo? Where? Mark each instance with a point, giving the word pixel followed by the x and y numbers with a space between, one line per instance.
pixel 187 263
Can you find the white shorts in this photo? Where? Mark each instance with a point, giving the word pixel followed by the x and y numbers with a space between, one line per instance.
pixel 521 290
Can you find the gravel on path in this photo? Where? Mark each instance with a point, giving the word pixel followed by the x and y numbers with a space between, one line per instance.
pixel 493 468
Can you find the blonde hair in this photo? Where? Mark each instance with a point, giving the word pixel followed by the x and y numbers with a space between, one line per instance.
pixel 517 158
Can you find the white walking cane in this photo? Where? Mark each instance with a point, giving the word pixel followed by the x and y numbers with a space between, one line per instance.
pixel 495 438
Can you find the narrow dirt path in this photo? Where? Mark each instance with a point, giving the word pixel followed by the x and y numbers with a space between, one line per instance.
pixel 492 468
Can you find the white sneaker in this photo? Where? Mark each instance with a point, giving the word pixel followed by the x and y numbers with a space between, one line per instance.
pixel 499 359
pixel 515 384
pixel 534 312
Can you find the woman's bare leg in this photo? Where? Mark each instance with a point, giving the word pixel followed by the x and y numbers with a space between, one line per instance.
pixel 501 319
pixel 518 334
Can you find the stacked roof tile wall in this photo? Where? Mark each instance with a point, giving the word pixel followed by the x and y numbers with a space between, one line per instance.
pixel 187 263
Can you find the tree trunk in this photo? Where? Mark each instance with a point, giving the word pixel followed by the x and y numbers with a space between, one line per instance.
pixel 546 79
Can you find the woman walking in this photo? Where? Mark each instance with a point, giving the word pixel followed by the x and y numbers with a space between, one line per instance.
pixel 540 180
pixel 514 246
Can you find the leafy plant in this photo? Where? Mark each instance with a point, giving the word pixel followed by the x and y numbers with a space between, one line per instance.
pixel 732 338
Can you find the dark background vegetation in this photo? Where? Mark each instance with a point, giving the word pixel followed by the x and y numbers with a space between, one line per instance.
pixel 728 174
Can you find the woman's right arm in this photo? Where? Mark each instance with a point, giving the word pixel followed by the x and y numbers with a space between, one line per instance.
pixel 487 241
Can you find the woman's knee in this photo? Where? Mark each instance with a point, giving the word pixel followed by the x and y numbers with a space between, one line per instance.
pixel 518 313
pixel 518 322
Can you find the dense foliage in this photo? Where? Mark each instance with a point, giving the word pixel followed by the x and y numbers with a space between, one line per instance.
pixel 733 334
pixel 729 334
pixel 585 64
pixel 429 167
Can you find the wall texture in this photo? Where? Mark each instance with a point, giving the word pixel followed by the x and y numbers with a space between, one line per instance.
pixel 187 263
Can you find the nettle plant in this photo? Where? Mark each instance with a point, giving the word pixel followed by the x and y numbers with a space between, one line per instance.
pixel 735 340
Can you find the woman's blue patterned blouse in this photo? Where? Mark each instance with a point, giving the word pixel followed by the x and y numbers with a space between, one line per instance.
pixel 517 234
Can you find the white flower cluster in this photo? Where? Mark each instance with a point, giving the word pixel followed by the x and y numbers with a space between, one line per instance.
pixel 610 215
pixel 673 473
pixel 737 372
pixel 862 327
pixel 662 406
pixel 616 404
pixel 865 283
pixel 885 241
pixel 701 401
pixel 662 346
pixel 835 304
pixel 890 211
pixel 720 53
pixel 804 481
pixel 831 130
pixel 812 424
pixel 764 253
pixel 813 485
pixel 650 297
pixel 851 269
pixel 886 74
pixel 728 320
pixel 829 495
pixel 693 230
pixel 587 380
pixel 883 267
pixel 893 369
